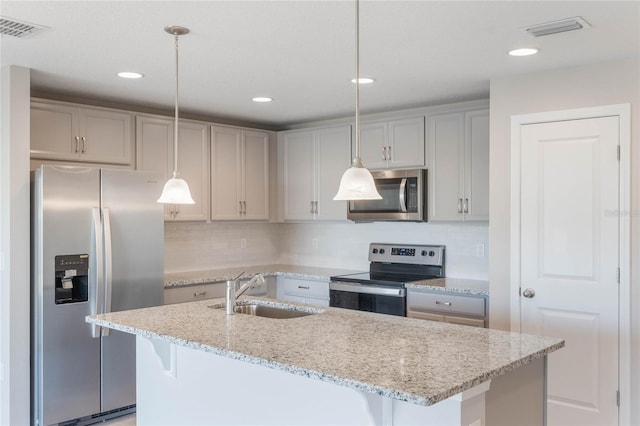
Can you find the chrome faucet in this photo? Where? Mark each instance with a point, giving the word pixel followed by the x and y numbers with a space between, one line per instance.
pixel 233 294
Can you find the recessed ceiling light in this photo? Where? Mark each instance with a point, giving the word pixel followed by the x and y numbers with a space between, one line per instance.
pixel 527 51
pixel 363 80
pixel 129 74
pixel 262 99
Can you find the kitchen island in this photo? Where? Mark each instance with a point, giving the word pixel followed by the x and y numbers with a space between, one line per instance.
pixel 196 365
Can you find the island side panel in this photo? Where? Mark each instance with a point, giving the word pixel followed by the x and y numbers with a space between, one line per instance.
pixel 178 385
pixel 518 397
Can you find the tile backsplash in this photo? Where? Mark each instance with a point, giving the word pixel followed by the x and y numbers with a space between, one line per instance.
pixel 200 246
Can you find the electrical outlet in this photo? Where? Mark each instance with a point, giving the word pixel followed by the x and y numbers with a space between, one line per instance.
pixel 480 250
pixel 243 243
pixel 314 243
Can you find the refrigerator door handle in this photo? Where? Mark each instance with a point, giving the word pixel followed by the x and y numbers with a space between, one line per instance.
pixel 98 291
pixel 108 276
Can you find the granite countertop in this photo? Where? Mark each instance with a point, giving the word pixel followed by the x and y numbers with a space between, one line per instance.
pixel 421 362
pixel 453 285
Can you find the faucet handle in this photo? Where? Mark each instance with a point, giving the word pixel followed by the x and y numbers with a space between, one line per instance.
pixel 259 279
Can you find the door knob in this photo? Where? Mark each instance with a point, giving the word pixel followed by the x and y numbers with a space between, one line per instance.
pixel 528 293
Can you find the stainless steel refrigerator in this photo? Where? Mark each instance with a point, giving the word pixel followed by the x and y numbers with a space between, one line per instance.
pixel 97 246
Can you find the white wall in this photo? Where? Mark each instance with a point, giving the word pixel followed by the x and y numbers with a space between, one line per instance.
pixel 616 82
pixel 345 245
pixel 14 247
pixel 198 246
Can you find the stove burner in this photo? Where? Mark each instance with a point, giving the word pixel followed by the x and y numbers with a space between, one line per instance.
pixel 394 265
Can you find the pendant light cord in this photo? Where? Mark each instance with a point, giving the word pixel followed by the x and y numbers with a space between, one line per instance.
pixel 175 126
pixel 357 157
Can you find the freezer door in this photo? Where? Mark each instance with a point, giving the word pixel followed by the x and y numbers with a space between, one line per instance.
pixel 66 358
pixel 134 271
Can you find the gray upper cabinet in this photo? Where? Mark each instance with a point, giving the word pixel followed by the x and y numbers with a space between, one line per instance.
pixel 239 174
pixel 154 149
pixel 458 163
pixel 393 144
pixel 67 132
pixel 313 164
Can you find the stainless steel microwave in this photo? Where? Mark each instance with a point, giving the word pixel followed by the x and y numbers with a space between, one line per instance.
pixel 404 198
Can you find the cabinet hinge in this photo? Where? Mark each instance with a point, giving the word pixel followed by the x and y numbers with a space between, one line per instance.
pixel 618 152
pixel 618 398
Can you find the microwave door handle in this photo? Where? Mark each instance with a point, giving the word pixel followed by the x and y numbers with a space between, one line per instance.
pixel 403 195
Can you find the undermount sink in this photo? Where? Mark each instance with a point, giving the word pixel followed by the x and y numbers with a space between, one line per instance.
pixel 270 311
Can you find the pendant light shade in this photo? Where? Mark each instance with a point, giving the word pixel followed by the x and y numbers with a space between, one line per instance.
pixel 357 182
pixel 176 190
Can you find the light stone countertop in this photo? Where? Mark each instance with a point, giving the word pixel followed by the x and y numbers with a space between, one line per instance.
pixel 418 361
pixel 453 285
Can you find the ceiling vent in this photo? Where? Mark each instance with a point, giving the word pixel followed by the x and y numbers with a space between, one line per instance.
pixel 555 27
pixel 14 28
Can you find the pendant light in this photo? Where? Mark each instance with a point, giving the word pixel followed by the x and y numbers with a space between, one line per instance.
pixel 176 190
pixel 357 182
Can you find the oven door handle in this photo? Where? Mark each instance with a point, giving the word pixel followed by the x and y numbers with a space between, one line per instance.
pixel 359 288
pixel 402 196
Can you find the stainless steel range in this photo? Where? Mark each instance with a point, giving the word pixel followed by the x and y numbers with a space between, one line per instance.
pixel 382 289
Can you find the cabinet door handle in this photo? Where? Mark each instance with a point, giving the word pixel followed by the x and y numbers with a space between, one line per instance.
pixel 240 208
pixel 77 144
pixel 384 152
pixel 315 203
pixel 443 303
pixel 388 152
pixel 304 287
pixel 201 294
pixel 244 208
pixel 84 144
pixel 459 205
pixel 311 202
pixel 466 205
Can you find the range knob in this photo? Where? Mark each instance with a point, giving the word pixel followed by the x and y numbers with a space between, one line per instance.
pixel 432 253
pixel 424 252
pixel 381 251
pixel 375 251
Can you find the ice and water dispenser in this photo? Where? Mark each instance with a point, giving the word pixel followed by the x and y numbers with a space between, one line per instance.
pixel 72 278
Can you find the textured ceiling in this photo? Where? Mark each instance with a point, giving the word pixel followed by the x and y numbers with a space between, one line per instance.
pixel 301 53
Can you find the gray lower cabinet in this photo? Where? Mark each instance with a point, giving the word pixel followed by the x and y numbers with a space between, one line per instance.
pixel 447 307
pixel 192 293
pixel 312 292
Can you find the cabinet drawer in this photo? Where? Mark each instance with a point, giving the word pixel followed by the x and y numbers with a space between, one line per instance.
pixel 444 302
pixel 303 288
pixel 473 322
pixel 425 316
pixel 194 292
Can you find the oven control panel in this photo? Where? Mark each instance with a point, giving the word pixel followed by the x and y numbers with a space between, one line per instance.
pixel 407 253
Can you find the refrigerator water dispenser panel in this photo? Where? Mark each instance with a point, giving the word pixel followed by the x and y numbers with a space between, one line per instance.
pixel 72 278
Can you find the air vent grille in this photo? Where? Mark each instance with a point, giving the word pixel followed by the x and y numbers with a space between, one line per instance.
pixel 555 27
pixel 14 28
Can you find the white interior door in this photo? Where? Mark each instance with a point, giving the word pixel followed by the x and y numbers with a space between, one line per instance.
pixel 569 261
